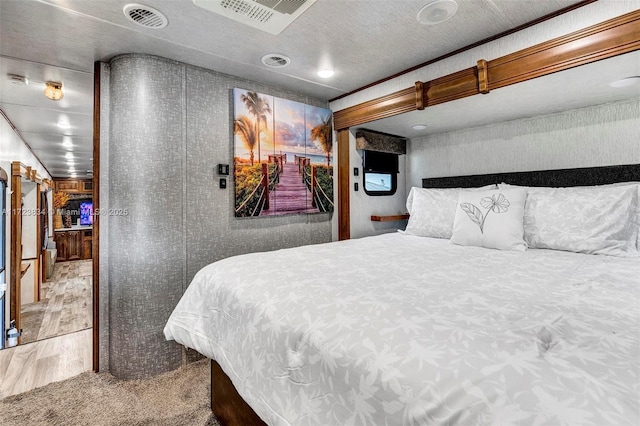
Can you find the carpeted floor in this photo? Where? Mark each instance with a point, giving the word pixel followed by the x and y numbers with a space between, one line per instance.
pixel 179 397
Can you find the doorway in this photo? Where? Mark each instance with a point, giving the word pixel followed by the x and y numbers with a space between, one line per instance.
pixel 50 297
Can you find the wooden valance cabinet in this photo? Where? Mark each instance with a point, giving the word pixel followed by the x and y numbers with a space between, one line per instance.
pixel 74 186
pixel 73 244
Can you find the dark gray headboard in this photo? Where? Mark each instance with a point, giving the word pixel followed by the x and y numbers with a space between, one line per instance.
pixel 561 177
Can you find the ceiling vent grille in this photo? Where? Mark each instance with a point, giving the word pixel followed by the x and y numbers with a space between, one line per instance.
pixel 275 60
pixel 272 16
pixel 145 16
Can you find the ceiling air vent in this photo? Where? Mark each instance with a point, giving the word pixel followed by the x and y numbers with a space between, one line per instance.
pixel 275 60
pixel 271 16
pixel 145 16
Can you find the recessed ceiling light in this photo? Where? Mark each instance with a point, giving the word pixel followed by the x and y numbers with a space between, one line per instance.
pixel 74 175
pixel 66 142
pixel 437 12
pixel 53 90
pixel 68 155
pixel 419 126
pixel 626 82
pixel 326 73
pixel 275 60
pixel 64 125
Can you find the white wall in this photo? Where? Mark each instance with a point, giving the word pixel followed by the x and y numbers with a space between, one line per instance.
pixel 12 148
pixel 362 206
pixel 601 135
pixel 30 246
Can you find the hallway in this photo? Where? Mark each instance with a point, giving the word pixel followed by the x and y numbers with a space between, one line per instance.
pixel 65 305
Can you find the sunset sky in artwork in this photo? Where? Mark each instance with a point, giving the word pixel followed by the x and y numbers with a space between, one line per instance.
pixel 288 127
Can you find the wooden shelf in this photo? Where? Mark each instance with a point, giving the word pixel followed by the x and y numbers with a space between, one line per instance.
pixel 23 269
pixel 390 218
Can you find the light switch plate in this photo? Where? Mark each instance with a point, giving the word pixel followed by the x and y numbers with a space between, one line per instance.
pixel 223 183
pixel 223 169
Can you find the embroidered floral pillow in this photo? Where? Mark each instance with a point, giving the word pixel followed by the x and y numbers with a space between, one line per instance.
pixel 431 211
pixel 492 219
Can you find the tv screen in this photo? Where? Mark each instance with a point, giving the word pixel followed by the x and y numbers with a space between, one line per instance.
pixel 381 162
pixel 86 213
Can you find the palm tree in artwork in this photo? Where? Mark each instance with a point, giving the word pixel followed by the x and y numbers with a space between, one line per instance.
pixel 243 126
pixel 259 108
pixel 322 133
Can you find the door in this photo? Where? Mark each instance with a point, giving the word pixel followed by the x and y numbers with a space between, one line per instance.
pixel 74 245
pixel 60 237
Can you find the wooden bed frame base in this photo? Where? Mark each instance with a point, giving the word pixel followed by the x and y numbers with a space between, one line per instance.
pixel 227 404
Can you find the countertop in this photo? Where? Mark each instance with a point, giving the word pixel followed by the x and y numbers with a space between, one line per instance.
pixel 74 228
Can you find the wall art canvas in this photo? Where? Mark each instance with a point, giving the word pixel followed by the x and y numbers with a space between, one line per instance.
pixel 283 162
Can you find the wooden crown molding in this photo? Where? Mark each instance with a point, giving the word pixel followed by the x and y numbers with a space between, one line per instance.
pixel 28 173
pixel 471 46
pixel 604 40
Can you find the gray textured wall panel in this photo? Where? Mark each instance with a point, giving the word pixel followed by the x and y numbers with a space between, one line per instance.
pixel 104 220
pixel 601 135
pixel 170 127
pixel 146 250
pixel 212 231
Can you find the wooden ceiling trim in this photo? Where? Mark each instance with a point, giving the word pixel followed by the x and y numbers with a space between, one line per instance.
pixel 604 40
pixel 451 87
pixel 611 38
pixel 376 109
pixel 19 169
pixel 483 76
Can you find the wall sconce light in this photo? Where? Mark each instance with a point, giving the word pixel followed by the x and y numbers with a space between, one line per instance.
pixel 53 90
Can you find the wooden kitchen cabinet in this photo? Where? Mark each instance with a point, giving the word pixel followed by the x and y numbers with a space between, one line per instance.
pixel 73 244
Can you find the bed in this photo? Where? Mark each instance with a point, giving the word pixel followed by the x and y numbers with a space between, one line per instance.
pixel 403 329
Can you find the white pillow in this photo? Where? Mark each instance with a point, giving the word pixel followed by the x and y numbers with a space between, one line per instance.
pixel 492 219
pixel 431 211
pixel 602 219
pixel 583 220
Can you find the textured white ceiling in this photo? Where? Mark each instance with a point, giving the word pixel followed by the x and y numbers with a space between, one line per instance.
pixel 363 40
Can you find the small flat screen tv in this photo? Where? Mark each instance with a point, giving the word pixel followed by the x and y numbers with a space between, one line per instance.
pixel 86 213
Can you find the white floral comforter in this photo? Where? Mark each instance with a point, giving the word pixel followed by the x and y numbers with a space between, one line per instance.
pixel 402 330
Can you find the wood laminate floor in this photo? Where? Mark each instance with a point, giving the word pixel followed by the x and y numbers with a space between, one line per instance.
pixel 29 366
pixel 65 303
